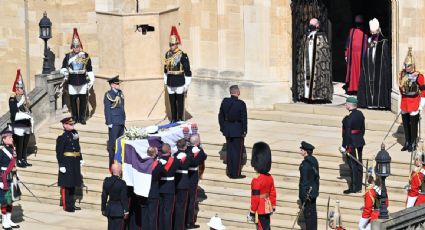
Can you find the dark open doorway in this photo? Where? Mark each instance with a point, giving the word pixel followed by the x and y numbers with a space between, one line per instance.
pixel 336 17
pixel 341 14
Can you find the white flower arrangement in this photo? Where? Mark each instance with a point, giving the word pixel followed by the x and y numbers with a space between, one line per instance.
pixel 134 133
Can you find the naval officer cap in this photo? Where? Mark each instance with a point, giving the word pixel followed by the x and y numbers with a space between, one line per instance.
pixel 68 120
pixel 114 80
pixel 306 146
pixel 6 132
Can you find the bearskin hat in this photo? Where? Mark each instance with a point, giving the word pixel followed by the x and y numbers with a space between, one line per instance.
pixel 261 159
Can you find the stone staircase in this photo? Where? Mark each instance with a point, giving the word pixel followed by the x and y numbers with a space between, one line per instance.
pixel 283 128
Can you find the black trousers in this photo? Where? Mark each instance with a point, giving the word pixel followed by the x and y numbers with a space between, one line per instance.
pixel 356 170
pixel 78 112
pixel 410 126
pixel 263 222
pixel 135 211
pixel 181 205
pixel 177 106
pixel 113 133
pixel 166 209
pixel 150 210
pixel 68 198
pixel 234 148
pixel 115 223
pixel 310 215
pixel 191 205
pixel 21 144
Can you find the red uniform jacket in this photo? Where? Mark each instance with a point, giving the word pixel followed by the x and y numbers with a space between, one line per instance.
pixel 263 197
pixel 411 104
pixel 370 210
pixel 416 180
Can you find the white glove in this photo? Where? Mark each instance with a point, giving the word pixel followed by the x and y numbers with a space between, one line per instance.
pixel 411 201
pixel 165 79
pixel 64 71
pixel 249 218
pixel 195 149
pixel 89 85
pixel 82 162
pixel 110 126
pixel 91 79
pixel 342 149
pixel 363 222
pixel 187 83
pixel 62 169
pixel 1 186
pixel 422 104
pixel 162 161
pixel 181 156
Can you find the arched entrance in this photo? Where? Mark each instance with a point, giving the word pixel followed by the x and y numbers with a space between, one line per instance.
pixel 336 17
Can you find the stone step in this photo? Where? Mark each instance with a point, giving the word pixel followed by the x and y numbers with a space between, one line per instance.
pixel 313 119
pixel 333 110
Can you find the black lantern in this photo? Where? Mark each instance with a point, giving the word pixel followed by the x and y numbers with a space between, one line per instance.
pixel 45 34
pixel 383 170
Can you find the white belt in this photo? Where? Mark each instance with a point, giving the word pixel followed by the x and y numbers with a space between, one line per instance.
pixel 193 168
pixel 182 171
pixel 167 178
pixel 3 168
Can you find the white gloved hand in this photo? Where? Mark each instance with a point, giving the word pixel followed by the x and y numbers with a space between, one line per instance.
pixel 411 201
pixel 89 85
pixel 110 126
pixel 342 149
pixel 363 222
pixel 187 83
pixel 1 186
pixel 165 79
pixel 82 162
pixel 62 169
pixel 422 104
pixel 162 161
pixel 195 149
pixel 249 218
pixel 64 71
pixel 181 156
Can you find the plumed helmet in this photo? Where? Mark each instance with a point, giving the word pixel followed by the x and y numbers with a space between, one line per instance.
pixel 174 36
pixel 409 58
pixel 261 159
pixel 76 42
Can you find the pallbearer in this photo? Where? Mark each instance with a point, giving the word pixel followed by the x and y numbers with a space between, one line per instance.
pixel 416 191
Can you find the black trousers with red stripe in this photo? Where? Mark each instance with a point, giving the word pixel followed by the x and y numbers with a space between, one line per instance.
pixel 166 209
pixel 263 222
pixel 150 210
pixel 68 198
pixel 191 203
pixel 181 205
pixel 234 148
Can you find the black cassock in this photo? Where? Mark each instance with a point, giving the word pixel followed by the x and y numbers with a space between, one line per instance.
pixel 375 77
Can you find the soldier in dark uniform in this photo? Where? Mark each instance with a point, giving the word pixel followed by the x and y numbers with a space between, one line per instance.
pixel 113 102
pixel 182 184
pixel 177 76
pixel 8 189
pixel 70 160
pixel 198 157
pixel 167 189
pixel 21 118
pixel 151 207
pixel 234 126
pixel 77 69
pixel 309 185
pixel 114 199
pixel 353 130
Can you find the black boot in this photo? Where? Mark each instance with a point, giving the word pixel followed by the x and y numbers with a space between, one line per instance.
pixel 74 110
pixel 407 132
pixel 414 122
pixel 180 106
pixel 82 109
pixel 173 107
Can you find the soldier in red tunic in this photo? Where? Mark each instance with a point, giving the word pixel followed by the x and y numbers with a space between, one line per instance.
pixel 416 192
pixel 263 197
pixel 412 90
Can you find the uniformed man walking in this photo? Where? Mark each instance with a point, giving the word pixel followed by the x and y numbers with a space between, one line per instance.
pixel 234 126
pixel 113 102
pixel 77 69
pixel 177 76
pixel 353 130
pixel 70 160
pixel 114 199
pixel 309 185
pixel 21 118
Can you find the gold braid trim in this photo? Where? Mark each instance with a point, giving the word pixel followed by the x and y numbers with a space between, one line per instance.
pixel 170 60
pixel 115 101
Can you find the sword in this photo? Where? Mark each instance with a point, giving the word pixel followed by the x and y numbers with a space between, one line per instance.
pixel 30 191
pixel 327 213
pixel 302 207
pixel 388 133
pixel 157 100
pixel 53 184
pixel 345 152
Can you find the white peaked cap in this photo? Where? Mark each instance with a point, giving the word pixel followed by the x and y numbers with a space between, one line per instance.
pixel 374 25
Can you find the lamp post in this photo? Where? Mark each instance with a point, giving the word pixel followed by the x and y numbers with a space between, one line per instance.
pixel 383 170
pixel 45 33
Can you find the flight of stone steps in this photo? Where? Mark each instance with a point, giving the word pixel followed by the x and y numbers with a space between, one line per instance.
pixel 230 198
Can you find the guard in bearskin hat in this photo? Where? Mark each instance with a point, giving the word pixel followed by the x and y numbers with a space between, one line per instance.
pixel 77 69
pixel 70 160
pixel 263 195
pixel 412 90
pixel 9 189
pixel 177 76
pixel 416 188
pixel 21 118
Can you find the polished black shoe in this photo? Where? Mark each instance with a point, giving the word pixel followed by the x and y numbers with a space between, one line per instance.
pixel 9 228
pixel 405 147
pixel 348 191
pixel 21 164
pixel 26 163
pixel 192 226
pixel 238 177
pixel 82 121
pixel 16 226
pixel 69 210
pixel 77 208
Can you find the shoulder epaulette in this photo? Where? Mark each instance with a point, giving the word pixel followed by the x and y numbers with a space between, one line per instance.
pixel 13 94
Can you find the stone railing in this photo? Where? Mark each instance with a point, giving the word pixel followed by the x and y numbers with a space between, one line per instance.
pixel 409 219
